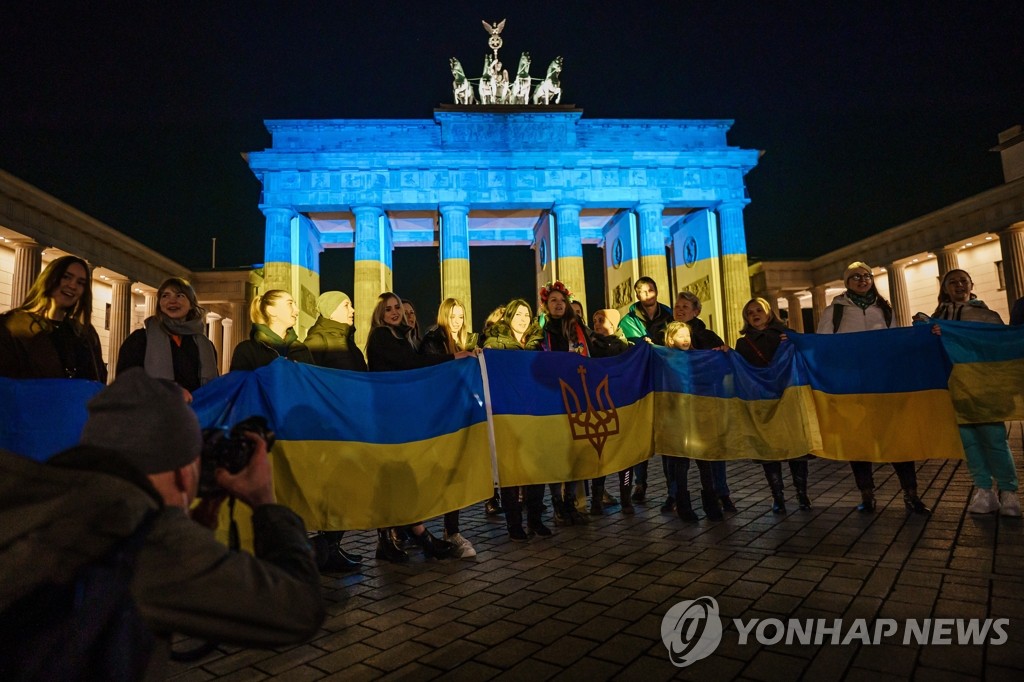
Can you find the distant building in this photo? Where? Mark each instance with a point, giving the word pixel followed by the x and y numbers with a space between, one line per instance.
pixel 983 234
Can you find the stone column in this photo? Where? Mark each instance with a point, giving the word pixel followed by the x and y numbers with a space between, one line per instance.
pixel 568 256
pixel 796 314
pixel 215 332
pixel 735 272
pixel 120 319
pixel 818 303
pixel 946 257
pixel 278 269
pixel 1011 243
pixel 372 265
pixel 239 331
pixel 149 307
pixel 898 295
pixel 227 343
pixel 28 263
pixel 651 240
pixel 454 242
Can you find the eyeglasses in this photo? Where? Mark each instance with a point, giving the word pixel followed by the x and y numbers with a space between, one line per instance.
pixel 862 278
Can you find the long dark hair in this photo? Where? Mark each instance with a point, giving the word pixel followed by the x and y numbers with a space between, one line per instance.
pixel 40 296
pixel 510 312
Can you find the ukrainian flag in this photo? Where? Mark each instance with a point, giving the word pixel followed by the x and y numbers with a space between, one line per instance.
pixel 364 450
pixel 987 382
pixel 565 417
pixel 41 417
pixel 879 396
pixel 712 405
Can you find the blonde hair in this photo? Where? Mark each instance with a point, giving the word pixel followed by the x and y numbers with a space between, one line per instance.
pixel 377 317
pixel 764 305
pixel 259 305
pixel 453 344
pixel 673 329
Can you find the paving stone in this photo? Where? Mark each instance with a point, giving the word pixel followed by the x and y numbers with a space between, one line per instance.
pixel 301 673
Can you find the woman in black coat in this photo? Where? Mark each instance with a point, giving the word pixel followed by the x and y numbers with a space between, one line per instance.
pixel 761 335
pixel 390 348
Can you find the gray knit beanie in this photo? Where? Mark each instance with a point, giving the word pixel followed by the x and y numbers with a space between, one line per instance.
pixel 146 420
pixel 329 302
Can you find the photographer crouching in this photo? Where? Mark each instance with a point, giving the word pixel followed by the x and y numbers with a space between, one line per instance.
pixel 133 477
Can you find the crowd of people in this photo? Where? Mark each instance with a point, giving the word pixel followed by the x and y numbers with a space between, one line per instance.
pixel 50 335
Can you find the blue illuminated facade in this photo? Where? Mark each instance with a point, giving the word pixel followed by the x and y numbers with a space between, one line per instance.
pixel 542 177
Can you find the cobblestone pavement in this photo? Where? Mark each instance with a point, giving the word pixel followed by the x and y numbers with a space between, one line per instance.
pixel 588 603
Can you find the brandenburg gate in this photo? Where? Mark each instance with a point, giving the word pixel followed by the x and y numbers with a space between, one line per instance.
pixel 662 198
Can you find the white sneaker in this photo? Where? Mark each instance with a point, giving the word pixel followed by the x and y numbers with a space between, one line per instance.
pixel 1009 503
pixel 463 547
pixel 984 502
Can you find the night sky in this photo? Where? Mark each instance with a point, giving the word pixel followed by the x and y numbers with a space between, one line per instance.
pixel 869 113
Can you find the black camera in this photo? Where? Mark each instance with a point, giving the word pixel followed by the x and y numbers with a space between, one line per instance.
pixel 229 449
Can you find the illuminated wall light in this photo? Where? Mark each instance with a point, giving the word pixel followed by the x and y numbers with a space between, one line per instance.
pixel 914 261
pixel 969 244
pixel 988 239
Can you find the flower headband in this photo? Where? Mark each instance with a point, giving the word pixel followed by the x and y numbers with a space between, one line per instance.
pixel 546 290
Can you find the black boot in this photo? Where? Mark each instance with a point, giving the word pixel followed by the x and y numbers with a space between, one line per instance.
pixel 492 507
pixel 684 508
pixel 560 512
pixel 798 469
pixel 709 501
pixel 573 513
pixel 669 506
pixel 627 501
pixel 727 504
pixel 640 492
pixel 867 505
pixel 775 484
pixel 597 496
pixel 433 547
pixel 914 503
pixel 387 549
pixel 337 559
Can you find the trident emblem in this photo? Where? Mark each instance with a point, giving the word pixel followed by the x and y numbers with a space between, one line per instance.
pixel 594 424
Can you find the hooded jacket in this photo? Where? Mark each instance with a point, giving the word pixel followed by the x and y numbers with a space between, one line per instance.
pixel 59 517
pixel 635 324
pixel 28 349
pixel 332 344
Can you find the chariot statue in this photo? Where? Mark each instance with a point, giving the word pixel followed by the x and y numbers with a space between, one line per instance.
pixel 494 87
pixel 550 88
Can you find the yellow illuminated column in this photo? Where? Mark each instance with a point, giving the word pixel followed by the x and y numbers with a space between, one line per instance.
pixel 735 277
pixel 454 242
pixel 372 264
pixel 568 256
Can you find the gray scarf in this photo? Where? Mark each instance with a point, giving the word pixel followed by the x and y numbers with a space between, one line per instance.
pixel 158 348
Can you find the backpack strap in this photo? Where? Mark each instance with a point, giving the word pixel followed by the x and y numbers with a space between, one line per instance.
pixel 837 317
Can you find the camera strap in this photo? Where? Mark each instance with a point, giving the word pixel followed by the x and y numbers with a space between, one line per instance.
pixel 234 542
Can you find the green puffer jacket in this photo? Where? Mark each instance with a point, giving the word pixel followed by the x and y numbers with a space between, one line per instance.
pixel 500 337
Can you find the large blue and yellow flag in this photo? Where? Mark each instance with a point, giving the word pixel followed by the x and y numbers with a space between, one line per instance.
pixel 987 381
pixel 41 417
pixel 357 450
pixel 879 396
pixel 712 405
pixel 565 417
